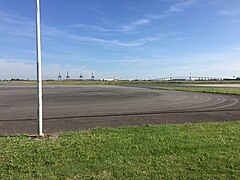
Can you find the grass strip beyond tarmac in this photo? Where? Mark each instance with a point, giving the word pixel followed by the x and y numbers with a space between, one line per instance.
pixel 194 151
pixel 204 90
pixel 119 82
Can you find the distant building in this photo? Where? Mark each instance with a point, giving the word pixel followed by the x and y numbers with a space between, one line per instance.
pixel 81 77
pixel 59 76
pixel 178 79
pixel 92 77
pixel 67 77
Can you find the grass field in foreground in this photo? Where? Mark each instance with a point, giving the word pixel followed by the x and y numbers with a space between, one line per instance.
pixel 208 151
pixel 200 89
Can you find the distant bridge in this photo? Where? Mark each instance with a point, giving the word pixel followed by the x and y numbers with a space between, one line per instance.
pixel 192 78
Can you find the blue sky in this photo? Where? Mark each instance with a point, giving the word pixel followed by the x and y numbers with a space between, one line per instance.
pixel 122 39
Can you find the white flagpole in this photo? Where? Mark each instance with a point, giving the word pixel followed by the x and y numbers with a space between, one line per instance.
pixel 39 70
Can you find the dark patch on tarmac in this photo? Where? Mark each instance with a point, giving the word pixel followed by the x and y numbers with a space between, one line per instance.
pixel 77 107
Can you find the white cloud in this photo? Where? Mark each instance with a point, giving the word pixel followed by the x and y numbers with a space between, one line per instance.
pixel 24 70
pixel 15 25
pixel 126 28
pixel 157 16
pixel 130 61
pixel 218 70
pixel 180 6
pixel 14 19
pixel 91 27
pixel 214 65
pixel 230 12
pixel 136 24
pixel 16 69
pixel 51 71
pixel 236 49
pixel 105 42
pixel 98 9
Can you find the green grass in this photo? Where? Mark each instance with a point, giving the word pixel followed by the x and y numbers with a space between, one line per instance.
pixel 204 90
pixel 77 82
pixel 188 151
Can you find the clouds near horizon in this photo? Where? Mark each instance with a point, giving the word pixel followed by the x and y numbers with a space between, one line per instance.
pixel 151 38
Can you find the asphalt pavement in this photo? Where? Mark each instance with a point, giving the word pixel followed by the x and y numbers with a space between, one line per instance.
pixel 76 107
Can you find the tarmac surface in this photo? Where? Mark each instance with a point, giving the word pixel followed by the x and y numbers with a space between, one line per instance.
pixel 76 107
